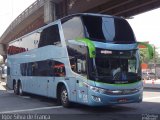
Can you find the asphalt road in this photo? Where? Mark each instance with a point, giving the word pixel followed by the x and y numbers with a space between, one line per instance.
pixel 17 106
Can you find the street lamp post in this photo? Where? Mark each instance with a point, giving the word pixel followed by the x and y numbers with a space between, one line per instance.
pixel 155 61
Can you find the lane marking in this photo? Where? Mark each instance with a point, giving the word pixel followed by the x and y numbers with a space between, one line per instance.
pixel 26 97
pixel 28 110
pixel 150 98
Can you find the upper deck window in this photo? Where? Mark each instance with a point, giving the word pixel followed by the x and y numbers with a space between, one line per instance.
pixel 50 36
pixel 108 29
pixel 73 28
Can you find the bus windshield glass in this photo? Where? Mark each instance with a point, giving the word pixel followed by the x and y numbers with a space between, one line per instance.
pixel 115 66
pixel 108 29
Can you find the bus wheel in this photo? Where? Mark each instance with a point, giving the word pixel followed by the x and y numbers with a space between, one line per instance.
pixel 20 90
pixel 15 88
pixel 64 97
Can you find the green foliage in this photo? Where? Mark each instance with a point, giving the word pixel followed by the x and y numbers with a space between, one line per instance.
pixel 150 49
pixel 144 55
pixel 156 58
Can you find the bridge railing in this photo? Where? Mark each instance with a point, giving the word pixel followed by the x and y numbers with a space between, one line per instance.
pixel 31 9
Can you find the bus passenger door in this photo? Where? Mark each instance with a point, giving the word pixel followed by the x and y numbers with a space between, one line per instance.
pixel 82 90
pixel 81 78
pixel 72 88
pixel 51 88
pixel 81 82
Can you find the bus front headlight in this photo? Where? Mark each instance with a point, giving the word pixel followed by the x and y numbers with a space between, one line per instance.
pixel 96 89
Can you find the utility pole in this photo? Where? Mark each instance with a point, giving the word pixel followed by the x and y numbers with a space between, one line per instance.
pixel 155 62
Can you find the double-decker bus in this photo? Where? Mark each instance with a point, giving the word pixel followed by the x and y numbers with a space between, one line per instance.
pixel 90 59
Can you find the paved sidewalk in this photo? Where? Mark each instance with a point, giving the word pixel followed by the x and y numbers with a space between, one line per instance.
pixel 2 84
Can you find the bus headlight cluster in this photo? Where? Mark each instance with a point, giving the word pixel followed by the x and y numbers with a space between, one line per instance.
pixel 104 91
pixel 96 89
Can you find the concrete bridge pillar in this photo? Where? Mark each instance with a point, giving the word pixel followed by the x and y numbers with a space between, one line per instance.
pixel 49 11
pixel 3 51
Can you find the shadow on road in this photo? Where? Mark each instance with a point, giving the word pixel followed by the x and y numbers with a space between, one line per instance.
pixel 40 98
pixel 134 111
pixel 104 109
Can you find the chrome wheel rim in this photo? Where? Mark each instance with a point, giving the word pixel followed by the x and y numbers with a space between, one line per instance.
pixel 15 88
pixel 20 89
pixel 64 96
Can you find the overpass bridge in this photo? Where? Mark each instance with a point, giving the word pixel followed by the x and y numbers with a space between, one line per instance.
pixel 43 12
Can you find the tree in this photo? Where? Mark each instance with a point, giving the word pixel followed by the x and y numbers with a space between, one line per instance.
pixel 149 48
pixel 156 58
pixel 144 55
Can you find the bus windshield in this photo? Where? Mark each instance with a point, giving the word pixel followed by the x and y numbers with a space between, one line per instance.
pixel 108 29
pixel 116 66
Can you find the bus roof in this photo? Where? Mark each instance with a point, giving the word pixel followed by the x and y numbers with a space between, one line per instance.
pixel 66 18
pixel 89 14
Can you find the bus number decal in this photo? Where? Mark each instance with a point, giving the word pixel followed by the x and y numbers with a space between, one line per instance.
pixel 85 98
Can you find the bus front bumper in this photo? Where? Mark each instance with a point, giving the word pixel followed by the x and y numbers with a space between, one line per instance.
pixel 98 99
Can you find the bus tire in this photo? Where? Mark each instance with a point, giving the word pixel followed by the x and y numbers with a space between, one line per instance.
pixel 15 88
pixel 64 97
pixel 20 89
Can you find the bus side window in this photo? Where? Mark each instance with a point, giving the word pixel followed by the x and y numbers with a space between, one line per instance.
pixel 23 68
pixel 50 36
pixel 73 64
pixel 59 69
pixel 81 66
pixel 8 70
pixel 45 68
pixel 38 68
pixel 78 59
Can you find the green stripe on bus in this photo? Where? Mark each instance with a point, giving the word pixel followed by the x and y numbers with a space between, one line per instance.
pixel 91 46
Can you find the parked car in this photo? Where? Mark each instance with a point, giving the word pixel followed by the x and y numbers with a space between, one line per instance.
pixel 148 76
pixel 4 72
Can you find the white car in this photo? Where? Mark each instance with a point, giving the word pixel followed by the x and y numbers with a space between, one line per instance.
pixel 4 72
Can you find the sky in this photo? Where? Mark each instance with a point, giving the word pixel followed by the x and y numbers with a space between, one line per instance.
pixel 146 26
pixel 9 10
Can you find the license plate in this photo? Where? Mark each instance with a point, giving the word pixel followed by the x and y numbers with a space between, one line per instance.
pixel 122 100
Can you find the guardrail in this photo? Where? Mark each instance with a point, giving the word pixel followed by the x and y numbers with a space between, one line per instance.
pixel 31 9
